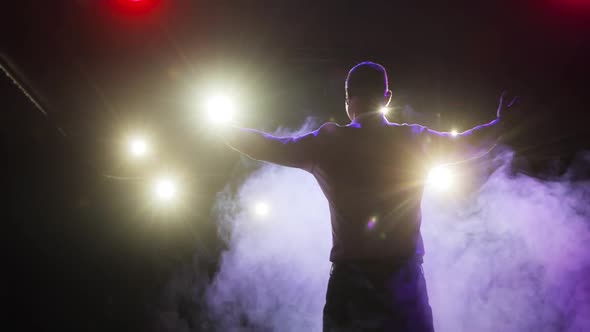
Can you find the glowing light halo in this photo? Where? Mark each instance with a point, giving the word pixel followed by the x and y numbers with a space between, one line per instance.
pixel 165 189
pixel 135 7
pixel 261 209
pixel 454 133
pixel 220 109
pixel 441 178
pixel 384 110
pixel 138 147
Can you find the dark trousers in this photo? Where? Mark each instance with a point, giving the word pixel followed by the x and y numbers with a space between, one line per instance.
pixel 376 296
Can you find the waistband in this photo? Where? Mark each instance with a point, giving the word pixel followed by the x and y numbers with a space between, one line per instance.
pixel 377 264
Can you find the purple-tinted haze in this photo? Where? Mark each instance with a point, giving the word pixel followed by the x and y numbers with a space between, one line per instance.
pixel 512 256
pixel 276 269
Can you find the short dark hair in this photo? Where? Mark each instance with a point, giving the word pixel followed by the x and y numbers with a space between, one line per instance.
pixel 367 80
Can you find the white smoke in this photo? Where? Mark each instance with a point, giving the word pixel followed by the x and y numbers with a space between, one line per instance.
pixel 511 256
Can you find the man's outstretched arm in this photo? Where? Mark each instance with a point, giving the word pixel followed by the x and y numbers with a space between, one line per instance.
pixel 475 142
pixel 299 151
pixel 472 143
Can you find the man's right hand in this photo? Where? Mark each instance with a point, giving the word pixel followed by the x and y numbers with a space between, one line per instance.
pixel 507 110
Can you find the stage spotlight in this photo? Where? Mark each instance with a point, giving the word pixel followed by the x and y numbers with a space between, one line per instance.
pixel 454 133
pixel 441 178
pixel 135 7
pixel 383 110
pixel 221 109
pixel 261 209
pixel 138 147
pixel 165 189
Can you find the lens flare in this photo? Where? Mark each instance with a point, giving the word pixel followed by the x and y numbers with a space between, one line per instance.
pixel 221 109
pixel 441 178
pixel 454 132
pixel 371 223
pixel 384 110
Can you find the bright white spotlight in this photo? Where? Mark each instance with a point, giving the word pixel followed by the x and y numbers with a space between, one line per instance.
pixel 441 178
pixel 261 209
pixel 383 110
pixel 454 132
pixel 165 189
pixel 221 109
pixel 138 147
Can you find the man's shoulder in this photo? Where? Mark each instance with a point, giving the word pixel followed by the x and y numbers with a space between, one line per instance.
pixel 334 129
pixel 329 128
pixel 415 129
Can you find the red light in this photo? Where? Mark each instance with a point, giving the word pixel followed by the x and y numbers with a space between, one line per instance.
pixel 135 6
pixel 573 5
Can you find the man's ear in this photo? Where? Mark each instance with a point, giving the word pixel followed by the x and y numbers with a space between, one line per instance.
pixel 387 97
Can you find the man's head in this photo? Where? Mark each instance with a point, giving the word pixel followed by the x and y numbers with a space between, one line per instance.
pixel 367 89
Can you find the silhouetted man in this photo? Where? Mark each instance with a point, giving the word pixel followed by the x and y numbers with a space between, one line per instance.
pixel 372 173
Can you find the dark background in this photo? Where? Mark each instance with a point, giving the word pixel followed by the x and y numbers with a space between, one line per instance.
pixel 87 250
